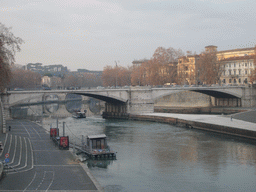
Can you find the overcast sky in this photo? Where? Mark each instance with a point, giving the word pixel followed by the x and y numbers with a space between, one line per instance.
pixel 92 34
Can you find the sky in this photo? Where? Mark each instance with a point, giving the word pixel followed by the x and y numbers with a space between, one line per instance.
pixel 93 34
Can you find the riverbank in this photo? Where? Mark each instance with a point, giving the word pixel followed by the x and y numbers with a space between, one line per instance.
pixel 37 164
pixel 215 123
pixel 199 110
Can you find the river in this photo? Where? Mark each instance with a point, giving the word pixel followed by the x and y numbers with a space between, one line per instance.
pixel 162 157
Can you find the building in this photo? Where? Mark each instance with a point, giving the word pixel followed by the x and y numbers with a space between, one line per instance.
pixel 237 70
pixel 55 70
pixel 233 53
pixel 46 81
pixel 137 63
pixel 187 69
pixel 238 65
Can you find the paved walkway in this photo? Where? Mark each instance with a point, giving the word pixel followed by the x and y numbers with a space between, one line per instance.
pixel 38 165
pixel 249 116
pixel 212 119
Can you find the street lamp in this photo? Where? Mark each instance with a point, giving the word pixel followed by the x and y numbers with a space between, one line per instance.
pixel 116 73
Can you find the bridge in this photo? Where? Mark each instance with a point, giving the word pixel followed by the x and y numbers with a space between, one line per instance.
pixel 135 99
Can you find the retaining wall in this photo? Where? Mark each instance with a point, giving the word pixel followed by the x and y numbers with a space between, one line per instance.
pixel 197 125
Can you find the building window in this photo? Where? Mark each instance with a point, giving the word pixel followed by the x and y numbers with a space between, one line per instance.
pixel 224 80
pixel 234 65
pixel 239 65
pixel 245 64
pixel 245 72
pixel 239 80
pixel 229 64
pixel 230 80
pixel 229 72
pixel 234 80
pixel 239 72
pixel 234 72
pixel 223 73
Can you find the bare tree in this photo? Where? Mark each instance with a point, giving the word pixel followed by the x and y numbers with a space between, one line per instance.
pixel 116 76
pixel 209 68
pixel 9 45
pixel 162 67
pixel 24 79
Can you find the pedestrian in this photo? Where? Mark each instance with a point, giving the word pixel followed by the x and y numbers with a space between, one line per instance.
pixel 9 128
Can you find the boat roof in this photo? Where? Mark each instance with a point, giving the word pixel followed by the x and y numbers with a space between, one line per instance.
pixel 96 136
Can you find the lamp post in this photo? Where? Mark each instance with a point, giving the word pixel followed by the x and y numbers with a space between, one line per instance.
pixel 116 73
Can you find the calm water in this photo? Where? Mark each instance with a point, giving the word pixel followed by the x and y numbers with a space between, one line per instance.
pixel 161 157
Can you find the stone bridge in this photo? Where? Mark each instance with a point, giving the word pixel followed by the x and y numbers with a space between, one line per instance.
pixel 137 99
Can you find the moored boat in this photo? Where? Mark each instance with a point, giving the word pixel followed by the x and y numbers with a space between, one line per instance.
pixel 79 114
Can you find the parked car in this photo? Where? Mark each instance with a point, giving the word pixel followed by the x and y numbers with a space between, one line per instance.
pixel 46 88
pixel 18 89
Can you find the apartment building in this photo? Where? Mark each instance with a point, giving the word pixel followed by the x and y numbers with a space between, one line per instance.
pixel 187 69
pixel 237 70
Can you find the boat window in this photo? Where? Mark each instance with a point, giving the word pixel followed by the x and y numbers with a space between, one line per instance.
pixel 94 144
pixel 98 144
pixel 102 144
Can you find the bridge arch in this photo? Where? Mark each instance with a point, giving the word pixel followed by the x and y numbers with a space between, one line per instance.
pixel 217 93
pixel 108 99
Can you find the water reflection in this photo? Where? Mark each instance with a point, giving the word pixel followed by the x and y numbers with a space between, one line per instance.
pixel 58 109
pixel 99 163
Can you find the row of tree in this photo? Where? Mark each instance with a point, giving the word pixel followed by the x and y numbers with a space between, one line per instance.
pixel 162 68
pixel 30 80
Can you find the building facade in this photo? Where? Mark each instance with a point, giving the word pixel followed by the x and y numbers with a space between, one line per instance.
pixel 55 70
pixel 187 69
pixel 237 70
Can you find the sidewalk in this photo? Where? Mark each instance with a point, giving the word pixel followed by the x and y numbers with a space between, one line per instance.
pixel 221 120
pixel 37 164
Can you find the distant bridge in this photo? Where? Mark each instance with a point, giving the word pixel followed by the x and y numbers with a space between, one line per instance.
pixel 137 99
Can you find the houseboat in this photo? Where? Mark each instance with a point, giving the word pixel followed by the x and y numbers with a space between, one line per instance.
pixel 96 147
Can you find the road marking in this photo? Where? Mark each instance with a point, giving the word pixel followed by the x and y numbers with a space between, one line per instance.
pixel 51 181
pixel 26 160
pixel 10 145
pixel 26 130
pixel 30 182
pixel 20 154
pixel 14 153
pixel 4 144
pixel 35 131
pixel 32 161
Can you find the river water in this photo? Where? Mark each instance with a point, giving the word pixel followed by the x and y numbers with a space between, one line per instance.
pixel 158 157
pixel 161 157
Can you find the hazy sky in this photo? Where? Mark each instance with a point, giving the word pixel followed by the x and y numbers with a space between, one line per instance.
pixel 92 34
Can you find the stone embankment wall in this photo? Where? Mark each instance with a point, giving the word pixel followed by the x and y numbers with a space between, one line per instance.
pixel 197 125
pixel 185 99
pixel 198 110
pixel 2 119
